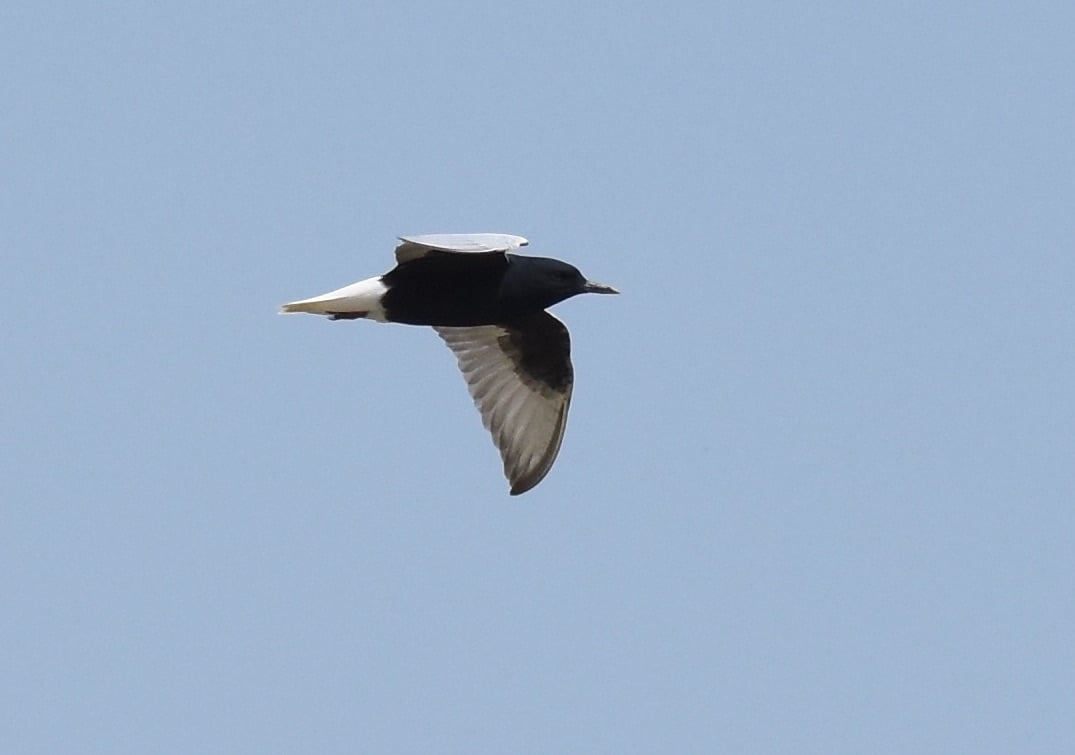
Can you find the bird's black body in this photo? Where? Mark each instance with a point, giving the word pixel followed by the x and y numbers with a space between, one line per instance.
pixel 458 290
pixel 488 306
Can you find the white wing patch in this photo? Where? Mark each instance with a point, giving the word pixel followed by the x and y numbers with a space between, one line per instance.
pixel 414 247
pixel 525 416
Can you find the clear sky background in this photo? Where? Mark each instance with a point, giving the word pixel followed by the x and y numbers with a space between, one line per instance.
pixel 817 493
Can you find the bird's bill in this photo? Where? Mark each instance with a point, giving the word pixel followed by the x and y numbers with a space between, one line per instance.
pixel 598 288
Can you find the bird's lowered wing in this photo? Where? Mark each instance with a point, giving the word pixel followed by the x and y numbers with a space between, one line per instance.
pixel 413 247
pixel 520 377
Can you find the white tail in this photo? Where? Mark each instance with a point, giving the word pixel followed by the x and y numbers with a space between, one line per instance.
pixel 362 298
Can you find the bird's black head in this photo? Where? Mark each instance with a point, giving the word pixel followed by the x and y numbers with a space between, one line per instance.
pixel 534 283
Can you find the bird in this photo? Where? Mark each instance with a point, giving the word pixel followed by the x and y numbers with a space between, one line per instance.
pixel 488 304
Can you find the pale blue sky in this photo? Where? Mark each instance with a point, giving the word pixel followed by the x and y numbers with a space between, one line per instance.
pixel 817 494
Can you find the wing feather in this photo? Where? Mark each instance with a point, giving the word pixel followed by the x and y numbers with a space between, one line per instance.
pixel 524 409
pixel 413 247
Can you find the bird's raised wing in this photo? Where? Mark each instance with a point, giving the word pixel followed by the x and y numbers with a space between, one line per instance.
pixel 413 247
pixel 520 377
